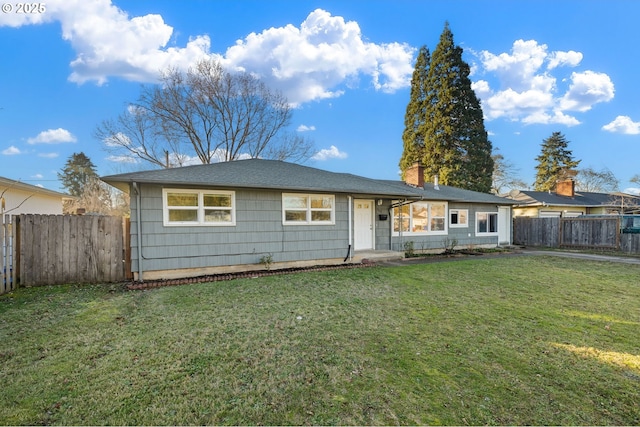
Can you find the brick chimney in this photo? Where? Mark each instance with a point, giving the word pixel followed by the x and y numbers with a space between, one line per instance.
pixel 414 175
pixel 566 188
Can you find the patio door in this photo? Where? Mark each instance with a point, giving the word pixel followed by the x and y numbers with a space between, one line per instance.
pixel 363 225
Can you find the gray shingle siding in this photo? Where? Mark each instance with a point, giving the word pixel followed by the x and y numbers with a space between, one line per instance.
pixel 258 231
pixel 465 236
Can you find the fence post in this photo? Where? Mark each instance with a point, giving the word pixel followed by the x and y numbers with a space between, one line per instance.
pixel 17 249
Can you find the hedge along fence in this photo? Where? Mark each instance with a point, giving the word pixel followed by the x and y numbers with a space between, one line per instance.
pixel 580 233
pixel 57 249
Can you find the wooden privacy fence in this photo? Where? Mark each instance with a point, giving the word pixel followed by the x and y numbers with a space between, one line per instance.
pixel 57 249
pixel 7 277
pixel 579 233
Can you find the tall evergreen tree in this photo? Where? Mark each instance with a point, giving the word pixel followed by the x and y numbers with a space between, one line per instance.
pixel 414 118
pixel 456 146
pixel 81 180
pixel 77 173
pixel 554 162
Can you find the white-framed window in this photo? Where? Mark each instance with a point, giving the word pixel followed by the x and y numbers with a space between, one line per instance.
pixel 486 223
pixel 300 209
pixel 198 207
pixel 459 218
pixel 420 218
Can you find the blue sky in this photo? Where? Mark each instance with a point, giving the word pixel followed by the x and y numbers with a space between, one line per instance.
pixel 537 66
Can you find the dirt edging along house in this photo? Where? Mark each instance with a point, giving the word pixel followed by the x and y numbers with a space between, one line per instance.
pixel 250 214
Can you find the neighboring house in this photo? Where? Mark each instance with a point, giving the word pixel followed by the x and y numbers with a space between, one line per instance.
pixel 237 216
pixel 21 198
pixel 565 202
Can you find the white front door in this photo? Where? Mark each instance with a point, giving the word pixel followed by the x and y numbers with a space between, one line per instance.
pixel 363 224
pixel 504 225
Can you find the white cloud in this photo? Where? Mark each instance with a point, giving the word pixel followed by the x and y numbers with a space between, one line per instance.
pixel 37 176
pixel 557 117
pixel 329 153
pixel 48 155
pixel 587 89
pixel 623 124
pixel 329 51
pixel 52 136
pixel 570 58
pixel 108 42
pixel 526 91
pixel 11 151
pixel 123 159
pixel 305 128
pixel 632 190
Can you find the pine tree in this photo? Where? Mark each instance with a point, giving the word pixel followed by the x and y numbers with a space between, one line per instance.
pixel 412 137
pixel 554 162
pixel 456 146
pixel 81 180
pixel 77 173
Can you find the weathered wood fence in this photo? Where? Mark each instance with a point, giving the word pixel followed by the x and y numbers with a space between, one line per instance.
pixel 579 233
pixel 57 249
pixel 7 277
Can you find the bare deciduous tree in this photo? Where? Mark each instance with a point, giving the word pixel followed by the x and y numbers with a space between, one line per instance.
pixel 505 175
pixel 594 181
pixel 208 113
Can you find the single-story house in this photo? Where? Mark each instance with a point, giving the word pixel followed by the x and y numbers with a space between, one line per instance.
pixel 21 198
pixel 565 202
pixel 232 216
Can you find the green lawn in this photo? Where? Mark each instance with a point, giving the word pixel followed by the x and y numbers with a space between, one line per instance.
pixel 496 340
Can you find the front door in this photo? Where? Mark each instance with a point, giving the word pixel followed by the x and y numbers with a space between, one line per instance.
pixel 504 225
pixel 363 225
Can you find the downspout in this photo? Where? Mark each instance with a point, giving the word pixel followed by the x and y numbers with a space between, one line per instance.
pixel 138 229
pixel 349 256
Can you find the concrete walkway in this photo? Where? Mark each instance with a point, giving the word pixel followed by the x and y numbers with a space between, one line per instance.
pixel 580 255
pixel 518 252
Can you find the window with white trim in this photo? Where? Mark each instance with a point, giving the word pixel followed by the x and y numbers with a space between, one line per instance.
pixel 486 223
pixel 299 209
pixel 459 218
pixel 198 207
pixel 420 218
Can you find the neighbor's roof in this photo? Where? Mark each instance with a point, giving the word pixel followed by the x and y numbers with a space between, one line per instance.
pixel 455 194
pixel 8 184
pixel 580 198
pixel 279 175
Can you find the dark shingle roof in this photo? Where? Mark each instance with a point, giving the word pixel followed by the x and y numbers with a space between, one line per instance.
pixel 580 198
pixel 279 175
pixel 263 174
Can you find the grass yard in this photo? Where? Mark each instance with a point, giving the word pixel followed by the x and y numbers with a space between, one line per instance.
pixel 498 340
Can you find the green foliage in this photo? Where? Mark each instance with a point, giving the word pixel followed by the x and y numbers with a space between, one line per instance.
pixel 266 260
pixel 414 119
pixel 80 179
pixel 554 162
pixel 77 173
pixel 455 144
pixel 409 249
